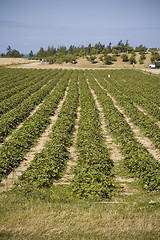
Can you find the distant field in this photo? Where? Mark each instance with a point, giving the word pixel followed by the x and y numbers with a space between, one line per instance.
pixel 79 137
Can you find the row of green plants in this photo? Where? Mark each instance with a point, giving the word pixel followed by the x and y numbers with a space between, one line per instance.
pixel 10 121
pixel 14 150
pixel 12 102
pixel 50 163
pixel 136 157
pixel 93 176
pixel 142 89
pixel 20 84
pixel 10 78
pixel 147 125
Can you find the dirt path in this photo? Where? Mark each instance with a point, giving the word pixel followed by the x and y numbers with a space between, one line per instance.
pixel 13 176
pixel 115 155
pixel 138 135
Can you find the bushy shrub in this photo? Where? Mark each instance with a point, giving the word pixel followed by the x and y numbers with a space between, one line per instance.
pixel 141 61
pixel 124 57
pixel 132 59
pixel 155 56
pixel 107 60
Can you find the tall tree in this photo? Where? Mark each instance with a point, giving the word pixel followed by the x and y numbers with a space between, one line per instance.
pixel 41 53
pixel 31 54
pixel 9 49
pixel 109 48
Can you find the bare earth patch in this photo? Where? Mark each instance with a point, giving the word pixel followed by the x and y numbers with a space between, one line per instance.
pixel 9 61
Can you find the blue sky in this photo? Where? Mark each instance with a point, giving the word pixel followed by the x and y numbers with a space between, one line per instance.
pixel 29 25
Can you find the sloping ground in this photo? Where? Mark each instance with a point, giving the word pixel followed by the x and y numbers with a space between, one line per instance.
pixel 82 62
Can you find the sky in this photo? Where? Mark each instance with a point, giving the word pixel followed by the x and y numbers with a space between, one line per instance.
pixel 29 25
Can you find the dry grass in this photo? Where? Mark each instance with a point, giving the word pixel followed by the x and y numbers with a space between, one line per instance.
pixel 9 61
pixel 82 63
pixel 35 219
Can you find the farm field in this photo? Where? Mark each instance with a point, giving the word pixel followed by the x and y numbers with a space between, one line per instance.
pixel 79 154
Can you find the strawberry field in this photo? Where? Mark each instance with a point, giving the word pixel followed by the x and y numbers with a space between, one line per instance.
pixel 119 119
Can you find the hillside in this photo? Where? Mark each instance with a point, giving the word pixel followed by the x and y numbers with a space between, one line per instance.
pixel 82 62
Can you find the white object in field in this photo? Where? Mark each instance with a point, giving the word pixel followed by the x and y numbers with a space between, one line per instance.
pixel 109 76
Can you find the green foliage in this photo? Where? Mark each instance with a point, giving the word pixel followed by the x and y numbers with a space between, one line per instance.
pixel 14 53
pixel 9 121
pixel 93 175
pixel 129 49
pixel 116 50
pixel 124 57
pixel 107 60
pixel 132 59
pixel 155 56
pixel 142 56
pixel 114 59
pixel 16 147
pixel 51 162
pixel 141 61
pixel 94 51
pixel 31 54
pixel 82 53
pixel 93 178
pixel 137 159
pixel 141 49
pixel 41 53
pixel 91 59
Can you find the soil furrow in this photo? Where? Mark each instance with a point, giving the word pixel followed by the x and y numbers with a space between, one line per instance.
pixel 138 135
pixel 145 113
pixel 13 176
pixel 115 155
pixel 31 114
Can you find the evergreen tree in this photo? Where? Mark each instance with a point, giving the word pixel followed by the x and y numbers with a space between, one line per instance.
pixel 31 54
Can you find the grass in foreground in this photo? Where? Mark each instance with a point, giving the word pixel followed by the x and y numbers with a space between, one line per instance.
pixel 62 217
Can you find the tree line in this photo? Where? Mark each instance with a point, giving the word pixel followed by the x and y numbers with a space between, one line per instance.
pixel 63 54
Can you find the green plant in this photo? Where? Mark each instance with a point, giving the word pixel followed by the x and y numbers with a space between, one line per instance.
pixel 124 57
pixel 107 60
pixel 132 59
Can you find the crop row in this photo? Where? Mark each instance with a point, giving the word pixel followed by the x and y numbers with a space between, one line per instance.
pixel 50 163
pixel 16 99
pixel 14 150
pixel 9 121
pixel 13 77
pixel 21 85
pixel 136 157
pixel 140 88
pixel 147 125
pixel 93 176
